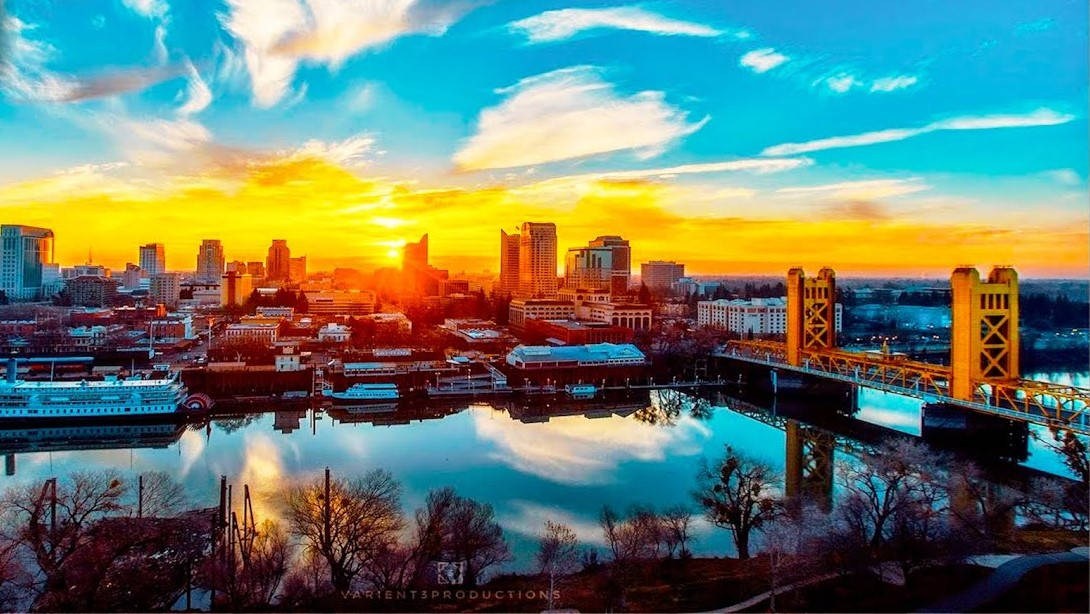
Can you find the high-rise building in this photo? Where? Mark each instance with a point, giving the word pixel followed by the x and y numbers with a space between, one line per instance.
pixel 91 290
pixel 24 251
pixel 620 261
pixel 236 288
pixel 297 268
pixel 537 260
pixel 210 261
pixel 509 263
pixel 237 266
pixel 256 269
pixel 661 275
pixel 278 262
pixel 153 259
pixel 415 255
pixel 165 289
pixel 589 268
pixel 418 278
pixel 131 278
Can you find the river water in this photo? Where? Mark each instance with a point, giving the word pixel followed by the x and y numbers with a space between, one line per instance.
pixel 530 469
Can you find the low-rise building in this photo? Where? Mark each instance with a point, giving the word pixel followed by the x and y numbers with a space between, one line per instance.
pixel 251 332
pixel 758 316
pixel 340 302
pixel 334 333
pixel 628 315
pixel 521 310
pixel 576 356
pixel 575 332
pixel 91 290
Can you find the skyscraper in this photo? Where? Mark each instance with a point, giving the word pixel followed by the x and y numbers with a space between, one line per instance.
pixel 210 261
pixel 278 262
pixel 415 255
pixel 165 289
pixel 620 261
pixel 23 252
pixel 153 259
pixel 418 278
pixel 537 260
pixel 509 263
pixel 588 268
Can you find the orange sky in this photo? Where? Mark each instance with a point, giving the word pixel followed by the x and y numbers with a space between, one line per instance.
pixel 340 218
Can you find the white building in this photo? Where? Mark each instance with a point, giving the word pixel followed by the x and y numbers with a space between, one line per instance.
pixel 153 260
pixel 334 333
pixel 759 316
pixel 569 356
pixel 260 332
pixel 628 315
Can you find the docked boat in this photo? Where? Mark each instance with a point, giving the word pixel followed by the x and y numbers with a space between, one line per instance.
pixel 364 393
pixel 581 391
pixel 111 397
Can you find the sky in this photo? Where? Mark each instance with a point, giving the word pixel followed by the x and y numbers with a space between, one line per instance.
pixel 739 138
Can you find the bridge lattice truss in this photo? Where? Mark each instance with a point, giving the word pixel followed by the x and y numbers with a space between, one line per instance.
pixel 1019 399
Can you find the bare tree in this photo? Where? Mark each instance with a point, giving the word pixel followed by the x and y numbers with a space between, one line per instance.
pixel 161 495
pixel 737 494
pixel 676 528
pixel 347 522
pixel 983 511
pixel 557 554
pixel 473 535
pixel 792 543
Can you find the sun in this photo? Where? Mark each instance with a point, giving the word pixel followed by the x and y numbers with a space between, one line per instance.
pixel 392 254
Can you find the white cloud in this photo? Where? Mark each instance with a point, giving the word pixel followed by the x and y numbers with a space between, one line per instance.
pixel 859 190
pixel 278 34
pixel 565 23
pixel 353 151
pixel 755 165
pixel 841 83
pixel 570 113
pixel 148 8
pixel 1040 117
pixel 528 518
pixel 892 84
pixel 198 96
pixel 1065 176
pixel 762 60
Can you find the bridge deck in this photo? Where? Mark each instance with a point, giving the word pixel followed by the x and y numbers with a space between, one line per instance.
pixel 1027 400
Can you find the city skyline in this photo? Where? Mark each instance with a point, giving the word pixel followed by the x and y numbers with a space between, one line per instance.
pixel 781 147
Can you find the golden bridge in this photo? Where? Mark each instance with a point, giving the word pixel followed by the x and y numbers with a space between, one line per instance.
pixel 983 375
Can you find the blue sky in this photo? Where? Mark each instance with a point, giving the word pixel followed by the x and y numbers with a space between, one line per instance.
pixel 953 114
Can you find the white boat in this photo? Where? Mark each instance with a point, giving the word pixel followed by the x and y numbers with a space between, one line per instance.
pixel 110 397
pixel 365 392
pixel 581 391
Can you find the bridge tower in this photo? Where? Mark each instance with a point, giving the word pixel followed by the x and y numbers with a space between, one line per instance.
pixel 808 466
pixel 811 312
pixel 984 329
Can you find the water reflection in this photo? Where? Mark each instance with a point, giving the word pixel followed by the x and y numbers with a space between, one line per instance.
pixel 530 460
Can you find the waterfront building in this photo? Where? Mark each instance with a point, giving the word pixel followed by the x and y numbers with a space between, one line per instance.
pixel 537 260
pixel 153 259
pixel 660 275
pixel 91 290
pixel 574 332
pixel 165 289
pixel 509 263
pixel 24 250
pixel 575 356
pixel 278 261
pixel 210 260
pixel 758 316
pixel 522 310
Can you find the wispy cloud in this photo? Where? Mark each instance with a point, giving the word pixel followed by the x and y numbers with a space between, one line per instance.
pixel 198 96
pixel 278 34
pixel 26 76
pixel 1040 117
pixel 755 165
pixel 148 8
pixel 564 23
pixel 570 113
pixel 762 60
pixel 892 84
pixel 859 190
pixel 353 151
